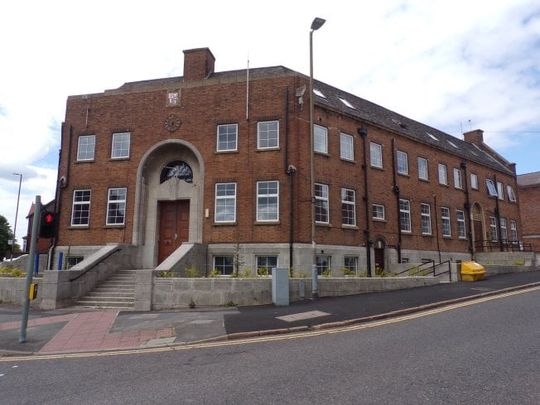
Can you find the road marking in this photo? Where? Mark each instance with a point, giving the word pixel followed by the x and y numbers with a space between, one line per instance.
pixel 302 316
pixel 271 338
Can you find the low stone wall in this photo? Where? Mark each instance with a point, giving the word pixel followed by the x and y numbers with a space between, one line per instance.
pixel 506 258
pixel 12 291
pixel 493 270
pixel 171 293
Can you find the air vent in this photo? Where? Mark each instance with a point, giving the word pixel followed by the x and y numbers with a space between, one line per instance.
pixel 432 136
pixel 347 103
pixel 319 93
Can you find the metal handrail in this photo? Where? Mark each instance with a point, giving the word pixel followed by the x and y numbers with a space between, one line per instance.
pixel 431 269
pixel 507 246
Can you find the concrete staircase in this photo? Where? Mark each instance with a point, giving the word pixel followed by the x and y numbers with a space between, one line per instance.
pixel 118 291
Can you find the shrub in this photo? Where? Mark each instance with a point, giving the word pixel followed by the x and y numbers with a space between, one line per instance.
pixel 11 272
pixel 348 272
pixel 192 272
pixel 327 273
pixel 246 273
pixel 262 271
pixel 215 273
pixel 165 274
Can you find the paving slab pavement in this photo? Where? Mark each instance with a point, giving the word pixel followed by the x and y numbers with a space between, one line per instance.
pixel 81 330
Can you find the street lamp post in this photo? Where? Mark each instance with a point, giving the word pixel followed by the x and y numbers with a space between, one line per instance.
pixel 16 214
pixel 315 25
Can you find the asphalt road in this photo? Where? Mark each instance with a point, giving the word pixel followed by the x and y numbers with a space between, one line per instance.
pixel 486 353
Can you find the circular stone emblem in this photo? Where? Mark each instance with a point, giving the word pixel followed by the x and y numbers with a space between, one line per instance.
pixel 172 123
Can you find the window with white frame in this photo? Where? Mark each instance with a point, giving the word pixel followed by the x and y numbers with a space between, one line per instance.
pixel 458 180
pixel 116 206
pixel 265 264
pixel 323 264
pixel 492 190
pixel 268 135
pixel 405 215
pixel 493 229
pixel 227 137
pixel 474 181
pixel 321 204
pixel 504 230
pixel 461 229
pixel 320 139
pixel 267 201
pixel 224 265
pixel 375 155
pixel 86 147
pixel 511 194
pixel 377 212
pixel 500 190
pixel 423 173
pixel 351 263
pixel 80 212
pixel 445 221
pixel 443 174
pixel 225 209
pixel 346 146
pixel 425 219
pixel 402 162
pixel 120 145
pixel 348 207
pixel 513 230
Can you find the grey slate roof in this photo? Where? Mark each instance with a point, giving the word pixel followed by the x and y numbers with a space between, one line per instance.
pixel 529 179
pixel 362 109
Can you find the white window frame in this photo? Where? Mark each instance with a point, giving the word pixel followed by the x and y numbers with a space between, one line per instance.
pixel 347 204
pixel 504 230
pixel 374 211
pixel 118 145
pixel 492 190
pixel 224 197
pixel 500 191
pixel 493 227
pixel 474 181
pixel 319 263
pixel 375 155
pixel 443 174
pixel 348 266
pixel 425 219
pixel 445 220
pixel 320 139
pixel 87 202
pixel 402 162
pixel 346 147
pixel 461 225
pixel 222 267
pixel 513 230
pixel 322 203
pixel 421 167
pixel 264 130
pixel 511 194
pixel 458 179
pixel 405 213
pixel 266 266
pixel 86 151
pixel 268 196
pixel 120 202
pixel 227 127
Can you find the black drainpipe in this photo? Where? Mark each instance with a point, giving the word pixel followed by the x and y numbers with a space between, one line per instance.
pixel 437 226
pixel 395 189
pixel 498 214
pixel 290 170
pixel 468 220
pixel 367 232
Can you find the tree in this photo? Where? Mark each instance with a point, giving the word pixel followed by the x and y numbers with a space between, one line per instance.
pixel 6 234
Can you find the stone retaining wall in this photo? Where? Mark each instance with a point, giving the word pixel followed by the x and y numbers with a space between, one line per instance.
pixel 12 290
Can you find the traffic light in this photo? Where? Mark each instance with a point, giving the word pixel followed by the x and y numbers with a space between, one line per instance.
pixel 47 226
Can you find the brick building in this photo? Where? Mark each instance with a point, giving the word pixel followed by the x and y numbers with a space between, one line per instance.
pixel 529 196
pixel 219 163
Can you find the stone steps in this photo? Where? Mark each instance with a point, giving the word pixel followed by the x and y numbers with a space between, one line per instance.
pixel 118 291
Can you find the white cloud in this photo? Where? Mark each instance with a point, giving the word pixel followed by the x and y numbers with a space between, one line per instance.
pixel 440 62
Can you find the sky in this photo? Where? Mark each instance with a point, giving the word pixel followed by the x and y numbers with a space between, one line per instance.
pixel 455 65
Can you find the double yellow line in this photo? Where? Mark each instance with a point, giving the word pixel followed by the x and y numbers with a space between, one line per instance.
pixel 271 338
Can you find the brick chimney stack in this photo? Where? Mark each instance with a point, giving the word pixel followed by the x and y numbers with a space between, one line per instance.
pixel 476 136
pixel 198 64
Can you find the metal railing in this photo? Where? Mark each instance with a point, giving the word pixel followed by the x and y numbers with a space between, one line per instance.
pixel 504 246
pixel 428 268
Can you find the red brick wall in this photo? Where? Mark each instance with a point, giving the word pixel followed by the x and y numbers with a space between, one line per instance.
pixel 529 197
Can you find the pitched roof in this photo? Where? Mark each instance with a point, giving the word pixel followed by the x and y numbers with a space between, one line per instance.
pixel 529 179
pixel 354 106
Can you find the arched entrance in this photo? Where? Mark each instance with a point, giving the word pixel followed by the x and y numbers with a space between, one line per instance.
pixel 478 227
pixel 379 248
pixel 169 200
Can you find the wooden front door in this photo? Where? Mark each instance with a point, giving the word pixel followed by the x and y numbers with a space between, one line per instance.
pixel 379 258
pixel 173 226
pixel 478 236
